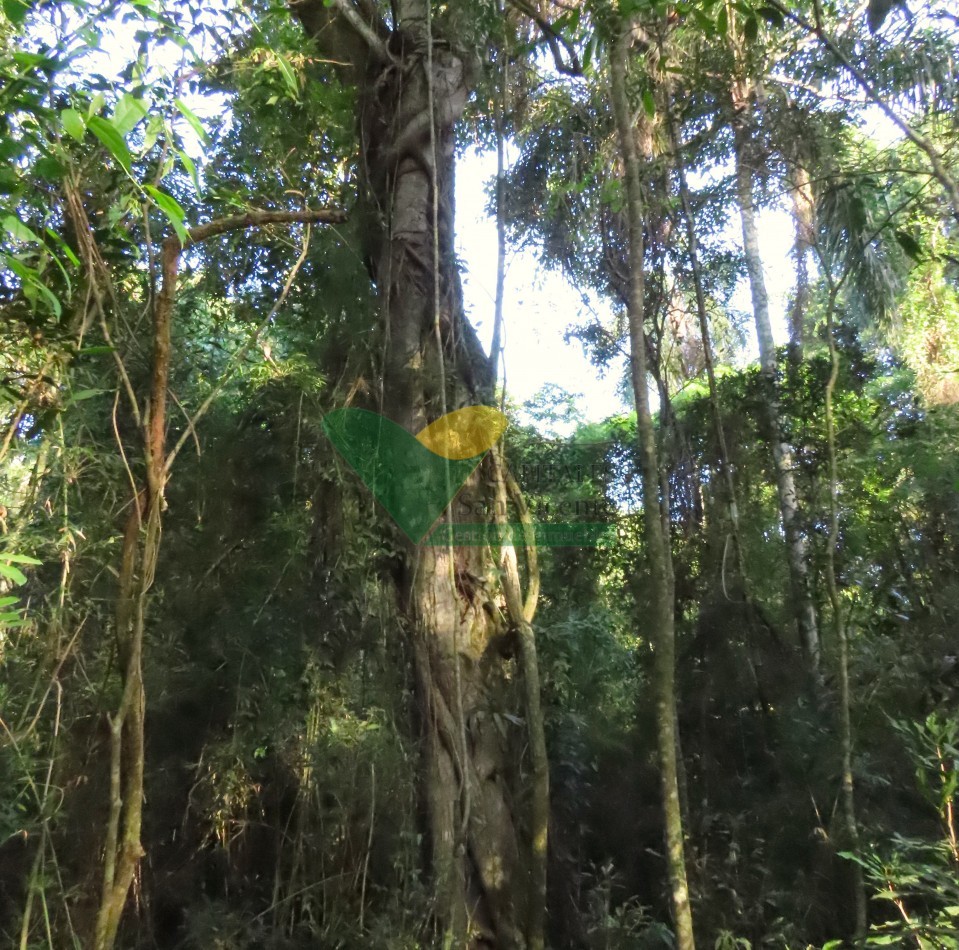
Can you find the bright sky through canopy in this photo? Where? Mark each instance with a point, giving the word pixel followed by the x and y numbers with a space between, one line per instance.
pixel 541 304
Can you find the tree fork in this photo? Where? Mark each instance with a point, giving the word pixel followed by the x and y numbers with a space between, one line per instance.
pixel 480 862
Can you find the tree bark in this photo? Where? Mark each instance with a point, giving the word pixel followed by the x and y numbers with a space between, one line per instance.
pixel 803 208
pixel 655 527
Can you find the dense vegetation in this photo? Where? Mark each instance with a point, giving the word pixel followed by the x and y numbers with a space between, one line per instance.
pixel 240 709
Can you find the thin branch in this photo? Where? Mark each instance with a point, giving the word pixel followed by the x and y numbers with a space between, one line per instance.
pixel 369 10
pixel 252 219
pixel 239 354
pixel 190 427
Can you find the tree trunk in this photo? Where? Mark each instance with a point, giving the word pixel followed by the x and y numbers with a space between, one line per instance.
pixel 726 471
pixel 803 209
pixel 797 551
pixel 411 92
pixel 656 529
pixel 138 561
pixel 847 786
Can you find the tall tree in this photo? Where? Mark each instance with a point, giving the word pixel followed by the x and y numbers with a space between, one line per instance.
pixel 743 92
pixel 656 519
pixel 411 73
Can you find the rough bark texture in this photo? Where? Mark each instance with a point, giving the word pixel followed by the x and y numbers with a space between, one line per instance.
pixel 656 537
pixel 123 849
pixel 483 860
pixel 796 547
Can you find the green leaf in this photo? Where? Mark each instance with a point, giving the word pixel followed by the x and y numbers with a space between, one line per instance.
pixel 96 105
pixel 289 76
pixel 9 180
pixel 171 208
pixel 18 230
pixel 190 166
pixel 19 559
pixel 12 573
pixel 108 135
pixel 95 350
pixel 10 148
pixel 73 124
pixel 773 16
pixel 85 394
pixel 707 25
pixel 31 279
pixel 751 29
pixel 49 168
pixel 589 52
pixel 722 21
pixel 31 60
pixel 16 10
pixel 7 601
pixel 71 257
pixel 155 125
pixel 128 113
pixel 192 119
pixel 649 103
pixel 909 244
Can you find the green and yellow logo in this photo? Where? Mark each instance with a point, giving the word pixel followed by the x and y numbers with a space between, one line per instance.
pixel 415 477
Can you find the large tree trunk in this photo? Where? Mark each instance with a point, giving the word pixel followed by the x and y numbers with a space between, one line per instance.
pixel 797 551
pixel 412 89
pixel 656 527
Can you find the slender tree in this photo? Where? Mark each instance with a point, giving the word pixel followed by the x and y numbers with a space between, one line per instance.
pixel 743 92
pixel 656 526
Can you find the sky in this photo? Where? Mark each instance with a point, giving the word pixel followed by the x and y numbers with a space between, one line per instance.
pixel 539 304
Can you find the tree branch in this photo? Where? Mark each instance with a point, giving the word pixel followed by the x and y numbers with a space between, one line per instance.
pixel 571 67
pixel 362 29
pixel 372 14
pixel 255 219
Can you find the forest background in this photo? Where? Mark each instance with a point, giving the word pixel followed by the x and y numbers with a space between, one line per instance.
pixel 240 709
